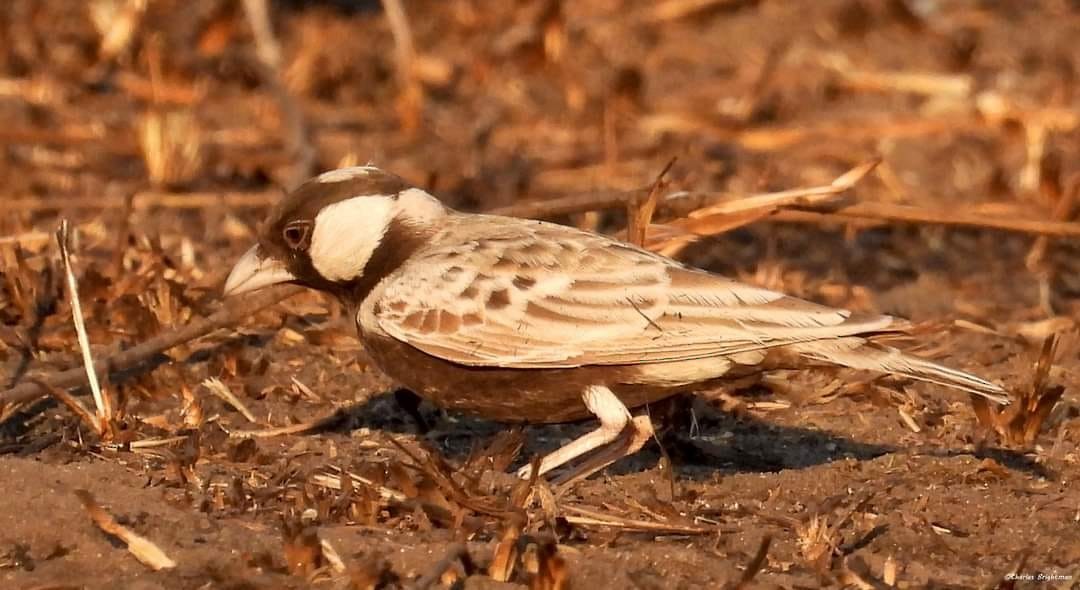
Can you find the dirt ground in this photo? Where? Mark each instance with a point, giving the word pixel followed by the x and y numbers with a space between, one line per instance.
pixel 162 137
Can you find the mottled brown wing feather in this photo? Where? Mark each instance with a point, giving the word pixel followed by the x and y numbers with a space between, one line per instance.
pixel 524 294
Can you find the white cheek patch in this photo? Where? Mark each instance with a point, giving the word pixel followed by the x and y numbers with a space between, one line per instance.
pixel 419 205
pixel 347 233
pixel 345 174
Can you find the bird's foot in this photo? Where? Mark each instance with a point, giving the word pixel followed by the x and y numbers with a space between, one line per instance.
pixel 618 436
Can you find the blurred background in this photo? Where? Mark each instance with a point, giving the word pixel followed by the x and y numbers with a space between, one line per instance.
pixel 163 129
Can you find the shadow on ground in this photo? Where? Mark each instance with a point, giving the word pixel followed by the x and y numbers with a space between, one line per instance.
pixel 722 442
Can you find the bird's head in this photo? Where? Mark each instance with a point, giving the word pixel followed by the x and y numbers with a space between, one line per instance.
pixel 339 232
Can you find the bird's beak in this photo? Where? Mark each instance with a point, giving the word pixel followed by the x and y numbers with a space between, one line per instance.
pixel 254 271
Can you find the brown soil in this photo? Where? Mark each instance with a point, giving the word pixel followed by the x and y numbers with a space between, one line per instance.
pixel 857 481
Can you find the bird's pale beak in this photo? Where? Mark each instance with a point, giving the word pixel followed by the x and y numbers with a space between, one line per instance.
pixel 254 271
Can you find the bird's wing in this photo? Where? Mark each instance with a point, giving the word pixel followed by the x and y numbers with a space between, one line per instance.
pixel 525 294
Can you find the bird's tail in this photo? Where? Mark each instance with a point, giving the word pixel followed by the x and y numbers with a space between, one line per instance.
pixel 858 353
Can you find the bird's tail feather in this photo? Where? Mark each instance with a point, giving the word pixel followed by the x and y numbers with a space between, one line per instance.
pixel 858 353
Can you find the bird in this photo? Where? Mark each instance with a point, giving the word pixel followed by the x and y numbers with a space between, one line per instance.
pixel 530 322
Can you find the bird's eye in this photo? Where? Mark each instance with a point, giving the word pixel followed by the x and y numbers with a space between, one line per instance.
pixel 295 235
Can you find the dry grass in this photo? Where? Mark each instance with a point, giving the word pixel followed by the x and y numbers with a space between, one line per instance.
pixel 104 422
pixel 541 109
pixel 172 147
pixel 1021 422
pixel 410 101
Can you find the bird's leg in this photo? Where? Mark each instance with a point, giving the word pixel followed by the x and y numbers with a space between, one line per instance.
pixel 617 436
pixel 637 432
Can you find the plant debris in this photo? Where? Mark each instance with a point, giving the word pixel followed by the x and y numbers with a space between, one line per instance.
pixel 142 548
pixel 910 158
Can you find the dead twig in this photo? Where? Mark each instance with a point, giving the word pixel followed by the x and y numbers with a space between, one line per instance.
pixel 152 443
pixel 734 213
pixel 411 99
pixel 772 139
pixel 640 214
pixel 814 197
pixel 232 312
pixel 266 44
pixel 102 401
pixel 587 517
pixel 506 552
pixel 38 90
pixel 73 404
pixel 300 428
pixel 673 10
pixel 332 557
pixel 889 213
pixel 755 564
pixel 216 387
pixel 142 548
pixel 952 86
pixel 297 136
pixel 457 553
pixel 26 238
pixel 333 482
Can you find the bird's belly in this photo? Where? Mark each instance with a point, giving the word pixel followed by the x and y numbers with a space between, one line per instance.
pixel 680 374
pixel 529 395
